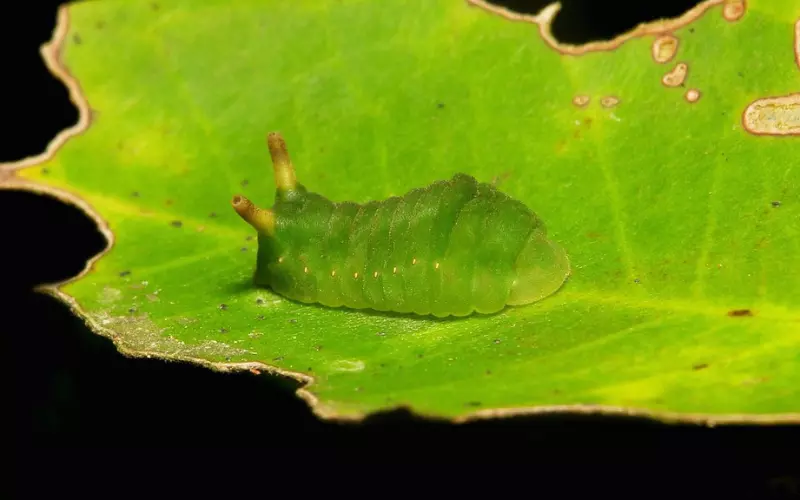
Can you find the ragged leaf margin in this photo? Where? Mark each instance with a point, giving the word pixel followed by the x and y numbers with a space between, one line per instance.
pixel 51 54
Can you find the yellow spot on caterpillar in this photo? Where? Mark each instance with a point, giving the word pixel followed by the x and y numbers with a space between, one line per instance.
pixel 375 274
pixel 305 269
pixel 333 273
pixel 355 275
pixel 394 270
pixel 436 266
pixel 413 261
pixel 280 259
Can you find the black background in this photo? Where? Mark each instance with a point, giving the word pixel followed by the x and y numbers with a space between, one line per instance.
pixel 73 391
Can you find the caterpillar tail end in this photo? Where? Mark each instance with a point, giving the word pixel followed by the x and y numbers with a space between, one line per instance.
pixel 285 179
pixel 262 220
pixel 542 268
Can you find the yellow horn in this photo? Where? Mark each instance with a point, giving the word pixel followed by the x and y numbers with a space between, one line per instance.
pixel 262 220
pixel 285 179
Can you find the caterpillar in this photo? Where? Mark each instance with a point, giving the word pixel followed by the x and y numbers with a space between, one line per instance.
pixel 453 248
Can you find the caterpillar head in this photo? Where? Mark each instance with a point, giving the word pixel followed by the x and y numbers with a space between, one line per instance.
pixel 263 220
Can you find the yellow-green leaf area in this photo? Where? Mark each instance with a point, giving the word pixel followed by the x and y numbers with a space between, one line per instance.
pixel 682 228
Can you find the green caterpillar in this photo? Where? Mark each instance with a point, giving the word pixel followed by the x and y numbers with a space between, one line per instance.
pixel 450 249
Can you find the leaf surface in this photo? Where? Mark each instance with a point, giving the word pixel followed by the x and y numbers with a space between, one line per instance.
pixel 682 227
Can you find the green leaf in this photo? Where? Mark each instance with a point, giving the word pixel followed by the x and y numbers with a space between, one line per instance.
pixel 668 208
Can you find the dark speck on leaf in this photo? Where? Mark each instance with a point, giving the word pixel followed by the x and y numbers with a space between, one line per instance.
pixel 700 366
pixel 135 194
pixel 691 30
pixel 223 307
pixel 243 249
pixel 317 347
pixel 310 369
pixel 132 310
pixel 496 341
pixel 260 316
pixel 637 280
pixel 279 358
pixel 292 321
pixel 223 330
pixel 77 39
pixel 440 105
pixel 419 356
pixel 740 312
pixel 212 214
pixel 776 203
pixel 45 171
pixel 249 238
pixel 245 182
pixel 473 403
pixel 259 301
pixel 176 223
pixel 124 273
pixel 488 372
pixel 741 75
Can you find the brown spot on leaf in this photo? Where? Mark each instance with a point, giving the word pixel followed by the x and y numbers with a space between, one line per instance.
pixel 676 77
pixel 733 10
pixel 700 366
pixel 773 116
pixel 692 95
pixel 738 313
pixel 176 223
pixel 664 48
pixel 122 274
pixel 581 100
pixel 609 101
pixel 77 39
pixel 776 204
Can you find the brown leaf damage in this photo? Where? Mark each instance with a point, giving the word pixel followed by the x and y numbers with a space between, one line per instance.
pixel 779 115
pixel 544 20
